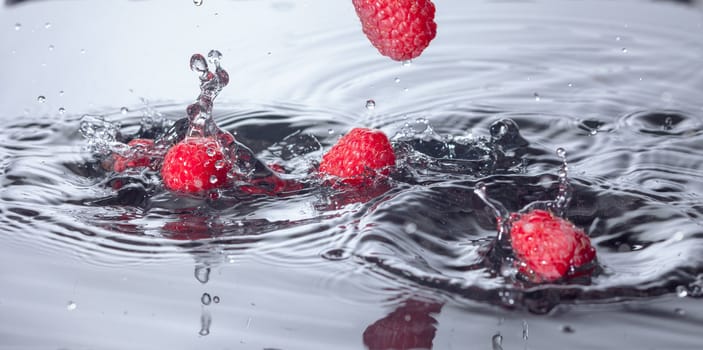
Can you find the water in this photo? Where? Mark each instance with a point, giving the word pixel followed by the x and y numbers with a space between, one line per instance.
pixel 84 264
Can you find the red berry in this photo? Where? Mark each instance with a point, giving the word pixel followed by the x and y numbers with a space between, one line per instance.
pixel 399 29
pixel 547 246
pixel 194 165
pixel 139 155
pixel 359 156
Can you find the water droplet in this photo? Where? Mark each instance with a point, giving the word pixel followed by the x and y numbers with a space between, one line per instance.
pixel 198 2
pixel 18 26
pixel 47 25
pixel 330 131
pixel 51 47
pixel 214 57
pixel 497 342
pixel 410 228
pixel 198 63
pixel 41 99
pixel 570 85
pixel 202 274
pixel 624 50
pixel 205 322
pixel 216 299
pixel 219 165
pixel 124 110
pixel 407 63
pixel 82 51
pixel 70 306
pixel 525 330
pixel 537 97
pixel 617 38
pixel 210 152
pixel 567 329
pixel 205 299
pixel 213 179
pixel 561 153
pixel 396 80
pixel 62 110
pixel 61 93
pixel 370 104
pixel 681 291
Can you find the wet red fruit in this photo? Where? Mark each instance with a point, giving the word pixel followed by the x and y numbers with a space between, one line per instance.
pixel 399 29
pixel 194 165
pixel 547 247
pixel 358 157
pixel 139 155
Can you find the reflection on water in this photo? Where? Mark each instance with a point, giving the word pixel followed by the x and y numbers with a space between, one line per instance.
pixel 401 267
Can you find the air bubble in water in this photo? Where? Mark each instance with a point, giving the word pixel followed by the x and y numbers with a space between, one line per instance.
pixel 218 165
pixel 205 299
pixel 216 299
pixel 213 179
pixel 210 152
pixel 71 306
pixel 370 104
pixel 41 98
pixel 198 2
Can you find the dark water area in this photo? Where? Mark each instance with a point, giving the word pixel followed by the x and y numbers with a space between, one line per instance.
pixel 87 264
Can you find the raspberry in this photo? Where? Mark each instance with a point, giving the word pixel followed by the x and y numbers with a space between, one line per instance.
pixel 139 155
pixel 547 247
pixel 399 29
pixel 358 157
pixel 194 165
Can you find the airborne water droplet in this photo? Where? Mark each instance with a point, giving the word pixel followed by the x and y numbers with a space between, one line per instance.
pixel 62 110
pixel 18 26
pixel 537 97
pixel 497 342
pixel 370 104
pixel 51 47
pixel 41 99
pixel 71 306
pixel 396 80
pixel 124 110
pixel 624 50
pixel 198 63
pixel 202 274
pixel 198 2
pixel 216 299
pixel 47 25
pixel 561 153
pixel 205 299
pixel 214 57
